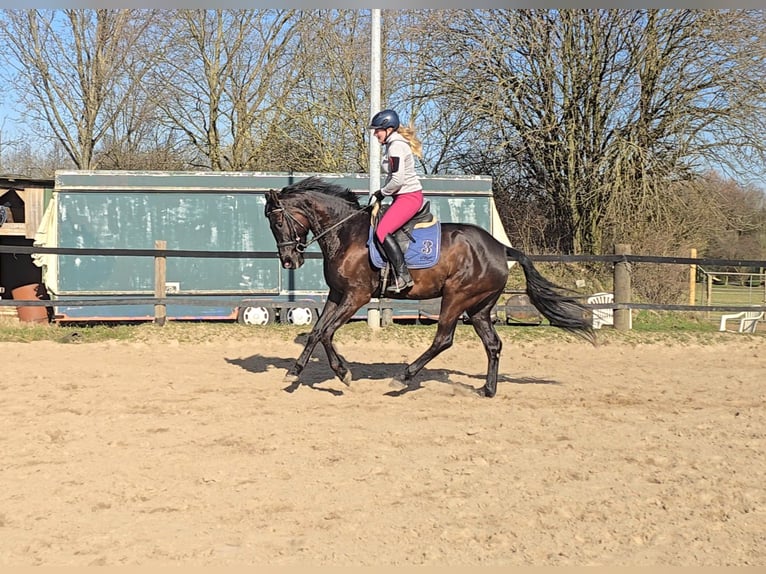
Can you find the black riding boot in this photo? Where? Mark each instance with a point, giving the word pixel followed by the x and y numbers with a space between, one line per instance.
pixel 402 279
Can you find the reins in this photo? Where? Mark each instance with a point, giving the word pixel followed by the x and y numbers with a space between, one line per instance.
pixel 300 247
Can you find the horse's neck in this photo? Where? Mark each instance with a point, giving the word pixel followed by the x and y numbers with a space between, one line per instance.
pixel 328 225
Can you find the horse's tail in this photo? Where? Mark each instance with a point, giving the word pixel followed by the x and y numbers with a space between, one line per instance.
pixel 561 310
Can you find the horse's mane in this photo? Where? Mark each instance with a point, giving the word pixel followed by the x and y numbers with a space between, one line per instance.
pixel 317 184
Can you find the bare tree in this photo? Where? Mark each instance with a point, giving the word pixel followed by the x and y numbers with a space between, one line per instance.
pixel 591 113
pixel 223 78
pixel 25 158
pixel 9 141
pixel 322 119
pixel 732 218
pixel 74 71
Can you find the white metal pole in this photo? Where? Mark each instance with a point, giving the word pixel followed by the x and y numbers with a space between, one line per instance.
pixel 373 315
pixel 375 56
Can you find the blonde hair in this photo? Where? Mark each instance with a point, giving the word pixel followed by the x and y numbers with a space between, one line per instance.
pixel 408 133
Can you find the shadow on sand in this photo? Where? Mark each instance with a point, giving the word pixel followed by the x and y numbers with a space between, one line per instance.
pixel 318 371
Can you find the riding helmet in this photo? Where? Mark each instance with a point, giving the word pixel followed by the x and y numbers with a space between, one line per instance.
pixel 384 119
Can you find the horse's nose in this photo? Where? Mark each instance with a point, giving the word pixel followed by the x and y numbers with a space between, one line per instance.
pixel 292 261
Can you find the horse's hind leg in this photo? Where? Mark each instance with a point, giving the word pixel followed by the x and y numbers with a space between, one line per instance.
pixel 445 333
pixel 482 324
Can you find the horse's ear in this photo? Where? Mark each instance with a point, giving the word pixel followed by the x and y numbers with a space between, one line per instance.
pixel 272 204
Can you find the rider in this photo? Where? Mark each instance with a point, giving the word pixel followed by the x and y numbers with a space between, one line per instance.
pixel 402 183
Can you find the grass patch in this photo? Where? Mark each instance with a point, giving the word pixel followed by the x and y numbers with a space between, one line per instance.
pixel 648 326
pixel 666 322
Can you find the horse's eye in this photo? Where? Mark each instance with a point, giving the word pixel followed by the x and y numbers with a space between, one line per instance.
pixel 275 216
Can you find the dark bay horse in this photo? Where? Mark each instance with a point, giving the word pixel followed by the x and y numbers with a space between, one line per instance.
pixel 470 276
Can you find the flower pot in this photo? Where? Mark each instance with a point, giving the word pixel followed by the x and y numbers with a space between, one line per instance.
pixel 28 314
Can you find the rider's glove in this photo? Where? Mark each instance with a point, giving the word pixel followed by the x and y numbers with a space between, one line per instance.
pixel 375 197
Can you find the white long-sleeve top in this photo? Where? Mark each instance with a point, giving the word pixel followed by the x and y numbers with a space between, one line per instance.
pixel 399 166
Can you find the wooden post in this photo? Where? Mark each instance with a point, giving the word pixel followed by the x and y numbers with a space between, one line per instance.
pixel 693 278
pixel 622 289
pixel 373 316
pixel 160 276
pixel 386 316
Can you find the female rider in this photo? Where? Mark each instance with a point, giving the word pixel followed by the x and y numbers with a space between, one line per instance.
pixel 402 183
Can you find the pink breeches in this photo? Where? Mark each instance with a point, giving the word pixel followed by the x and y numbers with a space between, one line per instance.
pixel 400 212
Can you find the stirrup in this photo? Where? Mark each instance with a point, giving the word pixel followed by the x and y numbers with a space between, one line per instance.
pixel 399 284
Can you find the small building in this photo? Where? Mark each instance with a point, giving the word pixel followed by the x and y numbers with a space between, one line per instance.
pixel 22 204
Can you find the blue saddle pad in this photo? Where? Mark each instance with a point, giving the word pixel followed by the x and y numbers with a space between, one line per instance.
pixel 420 254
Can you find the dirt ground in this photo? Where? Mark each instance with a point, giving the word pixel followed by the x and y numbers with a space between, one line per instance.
pixel 197 453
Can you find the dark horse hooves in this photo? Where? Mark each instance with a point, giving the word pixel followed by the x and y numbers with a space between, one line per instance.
pixel 399 383
pixel 291 378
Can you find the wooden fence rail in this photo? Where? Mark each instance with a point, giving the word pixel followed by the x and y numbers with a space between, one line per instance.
pixel 621 259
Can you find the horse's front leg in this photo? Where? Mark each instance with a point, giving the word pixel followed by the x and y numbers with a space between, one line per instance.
pixel 343 313
pixel 329 309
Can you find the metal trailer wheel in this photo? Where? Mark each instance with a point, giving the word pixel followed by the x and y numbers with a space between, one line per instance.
pixel 255 315
pixel 301 316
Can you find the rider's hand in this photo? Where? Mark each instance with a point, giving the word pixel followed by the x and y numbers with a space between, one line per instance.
pixel 375 197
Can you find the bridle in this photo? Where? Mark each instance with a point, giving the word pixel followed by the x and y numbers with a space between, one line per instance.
pixel 291 221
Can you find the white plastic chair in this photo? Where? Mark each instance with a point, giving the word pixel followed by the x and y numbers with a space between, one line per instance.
pixel 602 316
pixel 748 320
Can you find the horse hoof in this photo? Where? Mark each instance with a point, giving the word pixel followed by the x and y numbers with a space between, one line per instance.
pixel 398 383
pixel 290 378
pixel 347 379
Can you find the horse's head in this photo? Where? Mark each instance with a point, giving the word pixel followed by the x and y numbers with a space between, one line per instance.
pixel 290 229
